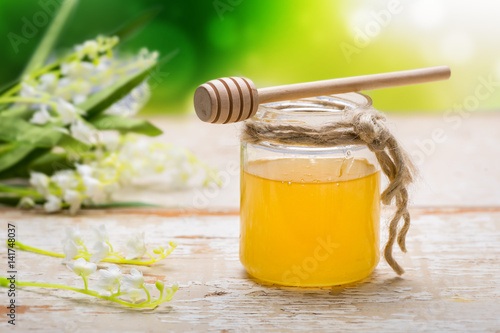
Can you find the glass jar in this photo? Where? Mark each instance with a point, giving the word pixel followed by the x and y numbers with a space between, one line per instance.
pixel 309 215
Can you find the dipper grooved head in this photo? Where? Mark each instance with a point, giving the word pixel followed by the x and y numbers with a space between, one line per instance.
pixel 226 100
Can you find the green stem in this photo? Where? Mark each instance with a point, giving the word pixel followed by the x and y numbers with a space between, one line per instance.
pixel 147 293
pixel 12 90
pixel 85 282
pixel 110 246
pixel 161 293
pixel 84 248
pixel 48 68
pixel 117 255
pixel 6 100
pixel 22 191
pixel 25 247
pixel 90 293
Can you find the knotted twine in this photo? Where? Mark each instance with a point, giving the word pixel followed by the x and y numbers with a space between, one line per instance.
pixel 364 126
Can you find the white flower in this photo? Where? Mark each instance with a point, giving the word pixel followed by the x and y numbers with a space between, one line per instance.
pixel 131 103
pixel 84 170
pixel 79 98
pixel 82 132
pixel 89 48
pixel 94 189
pixel 100 234
pixel 110 279
pixel 67 111
pixel 111 141
pixel 61 129
pixel 73 234
pixel 77 69
pixel 74 199
pixel 136 246
pixel 74 90
pixel 82 267
pixel 65 179
pixel 26 203
pixel 146 58
pixel 70 250
pixel 53 204
pixel 134 294
pixel 41 117
pixel 100 251
pixel 40 182
pixel 72 241
pixel 48 82
pixel 28 91
pixel 134 280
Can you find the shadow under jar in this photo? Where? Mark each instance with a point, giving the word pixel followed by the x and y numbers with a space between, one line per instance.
pixel 309 215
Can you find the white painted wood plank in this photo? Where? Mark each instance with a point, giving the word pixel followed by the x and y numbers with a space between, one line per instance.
pixel 452 281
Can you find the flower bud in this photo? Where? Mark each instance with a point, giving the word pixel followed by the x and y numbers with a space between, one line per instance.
pixel 160 285
pixel 158 250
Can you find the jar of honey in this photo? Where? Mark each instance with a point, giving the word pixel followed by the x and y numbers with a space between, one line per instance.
pixel 310 215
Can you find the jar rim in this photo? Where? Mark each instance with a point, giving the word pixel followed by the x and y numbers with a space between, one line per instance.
pixel 328 105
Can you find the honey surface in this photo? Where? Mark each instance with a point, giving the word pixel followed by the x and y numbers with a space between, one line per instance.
pixel 310 222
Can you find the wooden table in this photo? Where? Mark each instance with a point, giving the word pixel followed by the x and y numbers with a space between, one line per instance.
pixel 452 267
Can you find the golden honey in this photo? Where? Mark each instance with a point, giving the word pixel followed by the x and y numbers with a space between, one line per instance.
pixel 310 221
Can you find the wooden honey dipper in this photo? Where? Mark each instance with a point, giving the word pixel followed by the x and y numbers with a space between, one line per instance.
pixel 233 99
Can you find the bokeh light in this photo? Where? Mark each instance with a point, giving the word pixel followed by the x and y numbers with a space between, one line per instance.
pixel 289 41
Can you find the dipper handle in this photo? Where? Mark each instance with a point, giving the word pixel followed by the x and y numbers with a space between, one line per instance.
pixel 229 100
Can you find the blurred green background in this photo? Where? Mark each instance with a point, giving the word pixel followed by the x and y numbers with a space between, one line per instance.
pixel 289 41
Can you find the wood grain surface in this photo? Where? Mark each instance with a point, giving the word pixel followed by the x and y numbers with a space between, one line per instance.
pixel 452 280
pixel 451 284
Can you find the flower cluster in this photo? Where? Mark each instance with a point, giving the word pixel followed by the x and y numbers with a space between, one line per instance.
pixel 130 289
pixel 102 250
pixel 125 289
pixel 56 92
pixel 92 153
pixel 91 68
pixel 115 164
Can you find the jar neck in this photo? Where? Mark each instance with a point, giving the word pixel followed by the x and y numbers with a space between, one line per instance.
pixel 312 112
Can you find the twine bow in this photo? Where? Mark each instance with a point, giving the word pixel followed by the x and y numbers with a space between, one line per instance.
pixel 359 126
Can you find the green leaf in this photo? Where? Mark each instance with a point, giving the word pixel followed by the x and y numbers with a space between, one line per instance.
pixel 72 145
pixel 125 124
pixel 102 100
pixel 9 201
pixel 29 143
pixel 12 153
pixel 51 36
pixel 18 112
pixel 21 191
pixel 18 130
pixel 52 162
pixel 6 87
pixel 134 25
pixel 20 168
